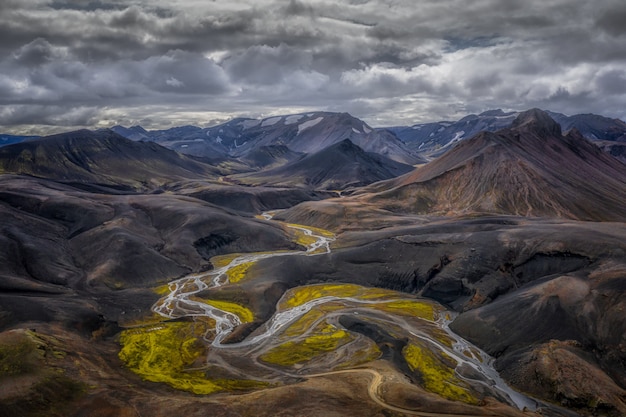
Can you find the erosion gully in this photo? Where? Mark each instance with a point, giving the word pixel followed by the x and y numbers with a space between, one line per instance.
pixel 180 303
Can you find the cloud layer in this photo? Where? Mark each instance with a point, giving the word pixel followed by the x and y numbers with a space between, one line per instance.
pixel 71 63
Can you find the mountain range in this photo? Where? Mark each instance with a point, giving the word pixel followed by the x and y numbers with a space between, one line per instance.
pixel 101 158
pixel 436 138
pixel 311 132
pixel 527 169
pixel 336 167
pixel 307 133
pixel 512 224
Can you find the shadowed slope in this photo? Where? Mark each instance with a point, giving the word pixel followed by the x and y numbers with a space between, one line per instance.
pixel 271 156
pixel 529 169
pixel 101 157
pixel 57 239
pixel 313 132
pixel 339 166
pixel 615 149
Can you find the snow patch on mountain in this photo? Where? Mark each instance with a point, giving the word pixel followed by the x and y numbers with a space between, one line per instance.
pixel 302 127
pixel 293 119
pixel 248 124
pixel 457 137
pixel 271 121
pixel 355 131
pixel 366 129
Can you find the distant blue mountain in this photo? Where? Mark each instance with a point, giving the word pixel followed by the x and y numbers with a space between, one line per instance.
pixel 11 139
pixel 433 139
pixel 305 133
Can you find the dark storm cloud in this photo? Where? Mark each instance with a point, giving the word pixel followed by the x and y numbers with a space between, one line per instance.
pixel 262 64
pixel 49 115
pixel 612 21
pixel 296 7
pixel 611 82
pixel 94 63
pixel 37 53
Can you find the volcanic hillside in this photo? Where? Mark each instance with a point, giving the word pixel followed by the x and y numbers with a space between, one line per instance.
pixel 267 157
pixel 435 138
pixel 334 168
pixel 101 157
pixel 313 132
pixel 306 133
pixel 593 126
pixel 530 169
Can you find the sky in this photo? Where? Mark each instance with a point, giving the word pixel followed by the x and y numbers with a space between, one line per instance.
pixel 69 64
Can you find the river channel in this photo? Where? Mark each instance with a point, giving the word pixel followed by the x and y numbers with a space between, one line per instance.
pixel 181 302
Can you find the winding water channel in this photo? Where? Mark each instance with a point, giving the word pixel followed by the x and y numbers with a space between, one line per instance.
pixel 180 303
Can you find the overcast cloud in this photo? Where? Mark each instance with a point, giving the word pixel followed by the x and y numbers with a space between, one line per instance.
pixel 73 63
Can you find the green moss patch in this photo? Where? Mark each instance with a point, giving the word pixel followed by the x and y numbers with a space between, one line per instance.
pixel 244 313
pixel 413 308
pixel 316 230
pixel 165 352
pixel 326 338
pixel 239 272
pixel 18 356
pixel 408 307
pixel 301 295
pixel 436 376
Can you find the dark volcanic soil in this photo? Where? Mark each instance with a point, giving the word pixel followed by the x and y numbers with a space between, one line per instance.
pixel 61 249
pixel 545 296
pixel 519 284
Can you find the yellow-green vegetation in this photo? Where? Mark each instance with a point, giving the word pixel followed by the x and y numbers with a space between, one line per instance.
pixel 303 323
pixel 163 289
pixel 163 352
pixel 160 353
pixel 244 313
pixel 316 230
pixel 413 308
pixel 325 338
pixel 301 295
pixel 237 273
pixel 19 356
pixel 302 238
pixel 308 320
pixel 375 293
pixel 221 261
pixel 436 376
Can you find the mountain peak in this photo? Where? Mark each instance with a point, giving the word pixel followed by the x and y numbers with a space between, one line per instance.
pixel 530 169
pixel 538 121
pixel 346 144
pixel 493 113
